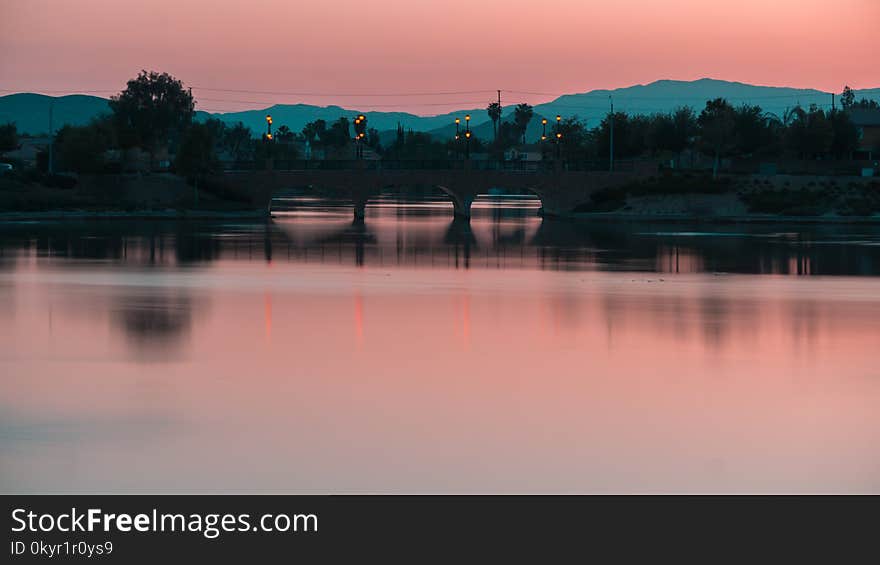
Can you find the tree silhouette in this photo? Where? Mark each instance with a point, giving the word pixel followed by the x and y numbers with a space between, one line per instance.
pixel 237 141
pixel 314 132
pixel 81 149
pixel 494 111
pixel 337 136
pixel 284 134
pixel 196 157
pixel 152 108
pixel 717 122
pixel 522 115
pixel 847 98
pixel 8 137
pixel 846 134
pixel 810 133
pixel 757 133
pixel 373 141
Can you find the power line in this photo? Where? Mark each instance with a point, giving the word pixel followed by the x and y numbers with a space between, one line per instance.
pixel 275 102
pixel 344 94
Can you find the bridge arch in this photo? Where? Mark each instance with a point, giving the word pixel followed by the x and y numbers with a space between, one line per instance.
pixel 463 199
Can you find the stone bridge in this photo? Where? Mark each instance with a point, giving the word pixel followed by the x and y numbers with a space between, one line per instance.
pixel 560 191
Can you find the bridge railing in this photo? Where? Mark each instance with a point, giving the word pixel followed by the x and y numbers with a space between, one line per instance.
pixel 436 165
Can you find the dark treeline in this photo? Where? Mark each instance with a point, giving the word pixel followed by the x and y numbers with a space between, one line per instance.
pixel 155 114
pixel 720 130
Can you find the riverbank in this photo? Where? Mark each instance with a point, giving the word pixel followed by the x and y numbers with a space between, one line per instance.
pixel 148 196
pixel 57 215
pixel 732 219
pixel 737 199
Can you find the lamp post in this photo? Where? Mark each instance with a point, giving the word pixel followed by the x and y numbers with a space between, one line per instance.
pixel 558 134
pixel 360 129
pixel 467 136
pixel 268 140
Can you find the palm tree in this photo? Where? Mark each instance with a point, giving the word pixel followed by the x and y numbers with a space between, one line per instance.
pixel 494 111
pixel 522 115
pixel 284 134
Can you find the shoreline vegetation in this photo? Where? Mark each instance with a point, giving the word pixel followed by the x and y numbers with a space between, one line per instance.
pixel 780 198
pixel 149 158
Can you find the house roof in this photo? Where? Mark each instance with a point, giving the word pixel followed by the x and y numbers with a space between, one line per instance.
pixel 865 116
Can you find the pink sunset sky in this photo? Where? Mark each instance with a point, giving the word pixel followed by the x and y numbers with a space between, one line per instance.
pixel 351 52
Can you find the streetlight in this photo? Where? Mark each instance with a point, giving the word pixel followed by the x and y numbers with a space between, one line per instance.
pixel 268 140
pixel 360 128
pixel 558 134
pixel 467 135
pixel 544 124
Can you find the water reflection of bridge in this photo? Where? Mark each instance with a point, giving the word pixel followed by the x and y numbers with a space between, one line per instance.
pixel 429 239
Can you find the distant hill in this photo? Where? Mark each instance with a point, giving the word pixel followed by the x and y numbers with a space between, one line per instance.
pixel 295 116
pixel 31 111
pixel 666 96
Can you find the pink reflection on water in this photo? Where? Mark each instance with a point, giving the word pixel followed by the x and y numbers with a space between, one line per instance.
pixel 487 380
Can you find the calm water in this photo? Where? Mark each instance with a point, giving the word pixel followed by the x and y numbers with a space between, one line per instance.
pixel 418 354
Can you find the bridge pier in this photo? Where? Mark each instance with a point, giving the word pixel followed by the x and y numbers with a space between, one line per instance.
pixel 461 201
pixel 461 207
pixel 360 210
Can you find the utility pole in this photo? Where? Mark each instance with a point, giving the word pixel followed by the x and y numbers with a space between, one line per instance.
pixel 611 149
pixel 51 138
pixel 833 108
